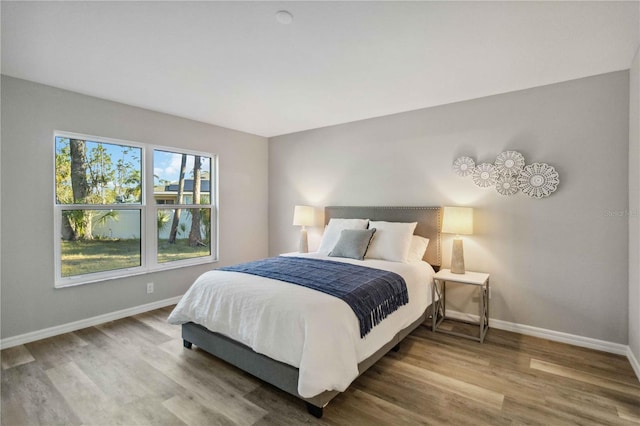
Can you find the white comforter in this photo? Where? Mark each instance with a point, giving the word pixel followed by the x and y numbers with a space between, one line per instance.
pixel 315 332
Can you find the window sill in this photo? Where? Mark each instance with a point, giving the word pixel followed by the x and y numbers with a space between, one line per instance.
pixel 132 272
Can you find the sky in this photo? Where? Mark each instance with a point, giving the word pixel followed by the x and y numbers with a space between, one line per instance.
pixel 166 165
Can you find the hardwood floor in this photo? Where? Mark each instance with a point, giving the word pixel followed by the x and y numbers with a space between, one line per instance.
pixel 135 371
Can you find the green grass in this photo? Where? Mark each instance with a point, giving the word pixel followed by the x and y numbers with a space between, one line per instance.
pixel 178 251
pixel 86 257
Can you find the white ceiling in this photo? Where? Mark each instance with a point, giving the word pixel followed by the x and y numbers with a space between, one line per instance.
pixel 232 64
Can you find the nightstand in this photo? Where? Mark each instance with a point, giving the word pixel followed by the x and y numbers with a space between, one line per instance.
pixel 477 279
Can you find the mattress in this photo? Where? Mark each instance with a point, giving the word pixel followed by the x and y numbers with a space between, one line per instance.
pixel 317 333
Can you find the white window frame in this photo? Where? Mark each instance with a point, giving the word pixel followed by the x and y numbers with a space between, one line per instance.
pixel 148 214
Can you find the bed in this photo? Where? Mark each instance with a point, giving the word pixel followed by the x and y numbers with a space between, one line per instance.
pixel 311 363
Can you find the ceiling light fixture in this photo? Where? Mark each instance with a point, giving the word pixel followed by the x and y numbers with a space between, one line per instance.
pixel 284 17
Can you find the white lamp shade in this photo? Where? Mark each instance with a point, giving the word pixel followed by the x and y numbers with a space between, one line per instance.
pixel 303 216
pixel 458 220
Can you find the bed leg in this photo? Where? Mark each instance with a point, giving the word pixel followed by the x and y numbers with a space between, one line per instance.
pixel 186 344
pixel 314 411
pixel 396 348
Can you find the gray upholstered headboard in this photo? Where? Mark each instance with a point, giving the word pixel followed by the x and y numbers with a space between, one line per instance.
pixel 428 219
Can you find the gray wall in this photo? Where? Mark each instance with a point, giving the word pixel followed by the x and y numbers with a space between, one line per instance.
pixel 634 207
pixel 558 263
pixel 30 114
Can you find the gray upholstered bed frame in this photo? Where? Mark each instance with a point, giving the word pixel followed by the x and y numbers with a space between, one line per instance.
pixel 284 376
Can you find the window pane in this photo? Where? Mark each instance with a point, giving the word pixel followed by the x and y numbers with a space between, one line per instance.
pixel 97 172
pixel 183 234
pixel 99 240
pixel 177 178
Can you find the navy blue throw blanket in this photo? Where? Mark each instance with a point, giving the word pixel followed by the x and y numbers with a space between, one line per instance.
pixel 371 293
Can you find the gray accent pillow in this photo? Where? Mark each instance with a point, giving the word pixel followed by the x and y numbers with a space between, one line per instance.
pixel 353 243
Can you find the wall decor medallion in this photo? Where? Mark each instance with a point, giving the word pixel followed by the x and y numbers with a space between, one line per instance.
pixel 463 166
pixel 538 180
pixel 509 163
pixel 510 175
pixel 507 185
pixel 485 175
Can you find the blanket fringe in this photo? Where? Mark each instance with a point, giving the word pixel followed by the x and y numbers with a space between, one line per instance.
pixel 382 311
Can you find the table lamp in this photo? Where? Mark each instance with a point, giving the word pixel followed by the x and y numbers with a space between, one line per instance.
pixel 303 216
pixel 459 221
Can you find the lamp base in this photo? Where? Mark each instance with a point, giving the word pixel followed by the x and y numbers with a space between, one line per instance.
pixel 303 246
pixel 457 257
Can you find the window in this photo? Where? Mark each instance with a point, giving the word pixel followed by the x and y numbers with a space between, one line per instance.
pixel 184 181
pixel 111 210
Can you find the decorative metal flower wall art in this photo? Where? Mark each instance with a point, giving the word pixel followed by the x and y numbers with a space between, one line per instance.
pixel 509 163
pixel 507 185
pixel 463 166
pixel 538 180
pixel 485 175
pixel 509 174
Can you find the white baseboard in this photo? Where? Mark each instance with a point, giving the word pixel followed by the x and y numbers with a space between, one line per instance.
pixel 556 336
pixel 634 362
pixel 88 322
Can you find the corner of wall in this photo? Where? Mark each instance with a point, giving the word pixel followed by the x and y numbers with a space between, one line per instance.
pixel 634 362
pixel 634 213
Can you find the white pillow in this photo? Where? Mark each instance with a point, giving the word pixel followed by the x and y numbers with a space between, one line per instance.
pixel 391 241
pixel 417 248
pixel 334 228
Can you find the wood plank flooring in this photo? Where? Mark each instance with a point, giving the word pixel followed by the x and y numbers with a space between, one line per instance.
pixel 135 371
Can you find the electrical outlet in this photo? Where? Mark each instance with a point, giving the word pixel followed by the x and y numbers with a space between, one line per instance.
pixel 149 288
